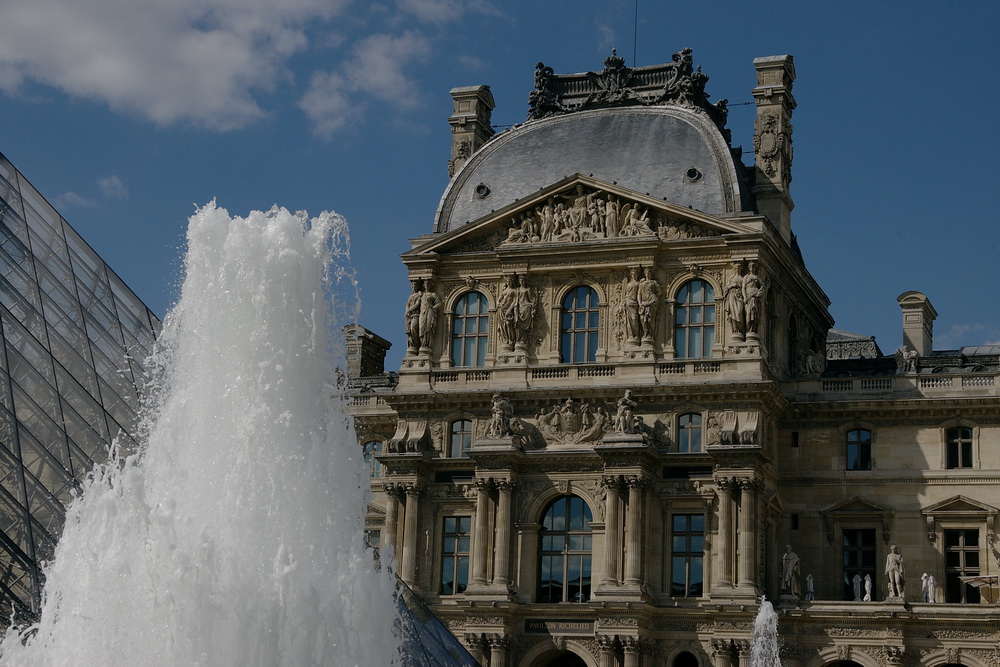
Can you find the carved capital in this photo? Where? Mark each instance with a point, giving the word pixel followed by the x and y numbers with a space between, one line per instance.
pixel 414 490
pixel 507 485
pixel 605 643
pixel 483 484
pixel 396 490
pixel 612 482
pixel 499 641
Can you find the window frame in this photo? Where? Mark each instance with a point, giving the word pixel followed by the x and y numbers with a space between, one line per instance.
pixel 459 554
pixel 689 555
pixel 370 450
pixel 683 324
pixel 953 435
pixel 864 447
pixel 873 570
pixel 465 431
pixel 566 556
pixel 953 587
pixel 686 432
pixel 570 336
pixel 461 338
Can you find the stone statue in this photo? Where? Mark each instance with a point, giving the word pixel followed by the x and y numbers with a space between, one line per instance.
pixel 790 573
pixel 895 570
pixel 929 587
pixel 868 588
pixel 857 587
pixel 810 587
pixel 525 306
pixel 906 360
pixel 430 304
pixel 506 304
pixel 625 413
pixel 630 307
pixel 649 305
pixel 753 293
pixel 412 319
pixel 734 304
pixel 503 412
pixel 611 223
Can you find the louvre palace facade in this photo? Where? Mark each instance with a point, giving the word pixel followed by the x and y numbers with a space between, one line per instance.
pixel 624 415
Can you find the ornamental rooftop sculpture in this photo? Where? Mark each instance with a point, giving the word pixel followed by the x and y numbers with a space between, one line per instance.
pixel 676 83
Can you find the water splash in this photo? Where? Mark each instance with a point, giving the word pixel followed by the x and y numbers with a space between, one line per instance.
pixel 235 535
pixel 764 640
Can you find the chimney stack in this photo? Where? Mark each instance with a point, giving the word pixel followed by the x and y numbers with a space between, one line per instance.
pixel 772 140
pixel 918 322
pixel 470 123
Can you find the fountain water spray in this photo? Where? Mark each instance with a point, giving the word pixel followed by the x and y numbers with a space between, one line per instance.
pixel 234 536
pixel 764 640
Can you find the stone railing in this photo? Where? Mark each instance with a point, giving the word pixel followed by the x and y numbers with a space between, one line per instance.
pixel 979 384
pixel 691 368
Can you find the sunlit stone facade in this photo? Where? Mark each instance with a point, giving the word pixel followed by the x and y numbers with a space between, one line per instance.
pixel 73 340
pixel 623 414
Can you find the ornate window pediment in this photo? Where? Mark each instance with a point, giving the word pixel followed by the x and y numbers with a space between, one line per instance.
pixel 957 510
pixel 856 511
pixel 578 209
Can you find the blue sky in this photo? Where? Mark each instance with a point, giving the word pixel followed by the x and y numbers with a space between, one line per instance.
pixel 127 114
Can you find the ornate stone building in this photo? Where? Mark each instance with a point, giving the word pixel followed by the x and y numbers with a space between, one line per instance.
pixel 623 416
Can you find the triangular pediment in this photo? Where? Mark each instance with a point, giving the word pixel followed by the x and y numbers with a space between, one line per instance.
pixel 855 505
pixel 960 505
pixel 579 209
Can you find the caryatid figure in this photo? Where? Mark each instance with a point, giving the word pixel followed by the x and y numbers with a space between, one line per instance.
pixel 430 304
pixel 649 305
pixel 412 318
pixel 630 307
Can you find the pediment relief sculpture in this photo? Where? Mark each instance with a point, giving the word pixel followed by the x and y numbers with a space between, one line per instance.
pixel 583 214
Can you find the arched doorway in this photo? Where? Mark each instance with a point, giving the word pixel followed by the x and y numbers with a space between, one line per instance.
pixel 562 659
pixel 685 659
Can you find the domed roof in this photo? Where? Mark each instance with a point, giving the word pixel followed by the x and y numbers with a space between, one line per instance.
pixel 673 153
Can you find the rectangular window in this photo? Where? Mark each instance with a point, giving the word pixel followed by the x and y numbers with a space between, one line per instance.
pixel 455 548
pixel 687 555
pixel 961 559
pixel 859 449
pixel 958 445
pixel 859 561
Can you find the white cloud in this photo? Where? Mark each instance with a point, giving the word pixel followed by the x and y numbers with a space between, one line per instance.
pixel 607 40
pixel 471 62
pixel 196 61
pixel 375 68
pixel 112 187
pixel 443 11
pixel 963 335
pixel 69 200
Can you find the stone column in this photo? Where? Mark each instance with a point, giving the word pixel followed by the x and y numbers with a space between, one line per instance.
pixel 498 650
pixel 408 569
pixel 606 650
pixel 612 530
pixel 501 547
pixel 634 532
pixel 745 650
pixel 632 651
pixel 725 487
pixel 747 565
pixel 391 519
pixel 479 541
pixel 722 652
pixel 477 645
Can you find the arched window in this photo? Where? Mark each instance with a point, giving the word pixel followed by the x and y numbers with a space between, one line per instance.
pixel 578 330
pixel 461 439
pixel 694 331
pixel 859 449
pixel 370 449
pixel 689 432
pixel 564 554
pixel 958 447
pixel 470 329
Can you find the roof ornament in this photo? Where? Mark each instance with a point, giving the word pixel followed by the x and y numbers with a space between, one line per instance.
pixel 677 83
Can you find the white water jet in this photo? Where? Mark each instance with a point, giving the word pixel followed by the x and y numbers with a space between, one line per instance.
pixel 235 535
pixel 764 640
